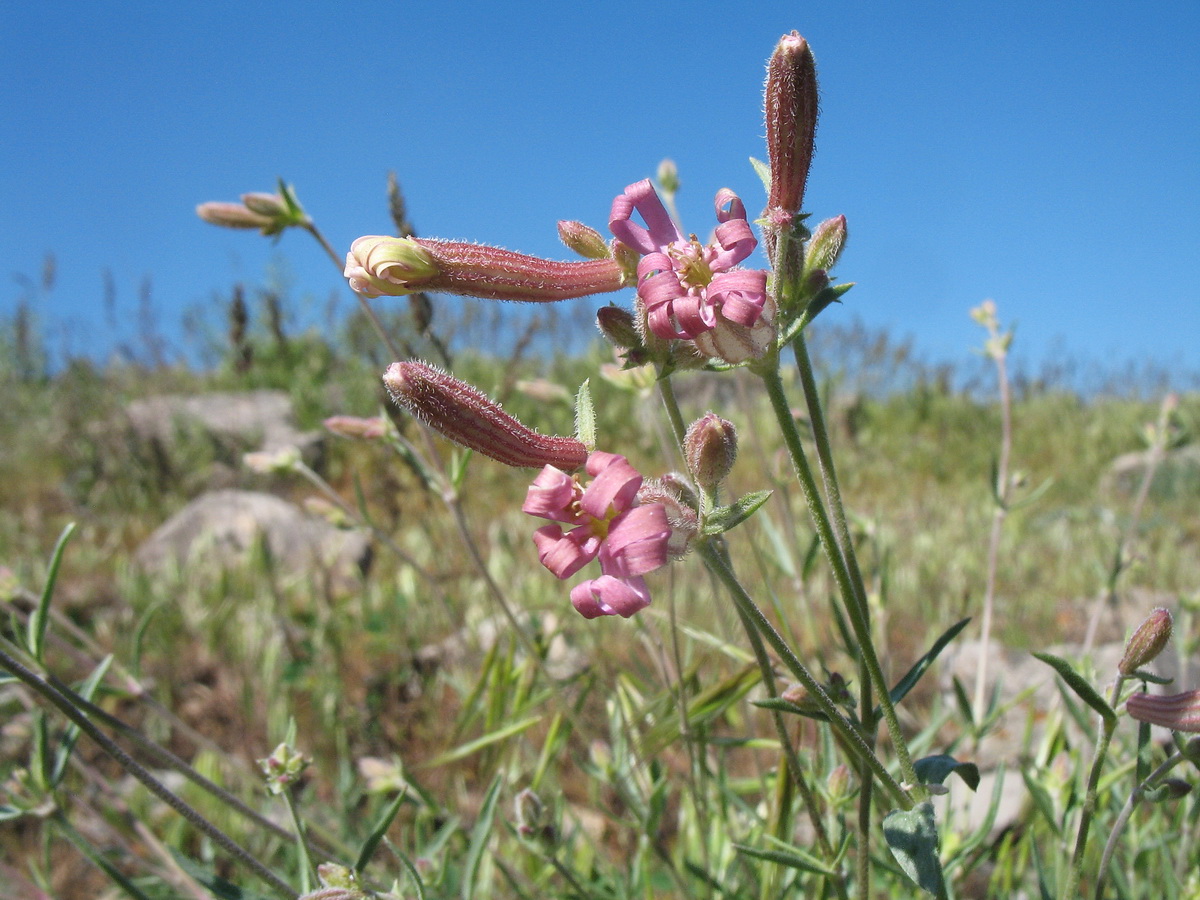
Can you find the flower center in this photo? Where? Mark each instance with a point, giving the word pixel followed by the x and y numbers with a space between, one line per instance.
pixel 691 262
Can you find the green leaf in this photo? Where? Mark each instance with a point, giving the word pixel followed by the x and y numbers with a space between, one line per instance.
pixel 488 739
pixel 913 675
pixel 1079 685
pixel 1041 800
pixel 38 622
pixel 726 518
pixel 479 838
pixel 763 171
pixel 585 415
pixel 936 769
pixel 87 690
pixel 912 837
pixel 380 829
pixel 793 858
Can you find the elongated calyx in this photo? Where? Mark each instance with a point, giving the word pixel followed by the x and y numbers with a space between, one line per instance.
pixel 1178 712
pixel 465 415
pixel 791 119
pixel 380 264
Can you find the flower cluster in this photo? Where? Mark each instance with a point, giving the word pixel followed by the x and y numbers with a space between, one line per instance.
pixel 690 288
pixel 630 539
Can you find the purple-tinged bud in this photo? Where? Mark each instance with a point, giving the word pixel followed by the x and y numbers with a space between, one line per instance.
pixel 1147 642
pixel 463 414
pixel 1178 712
pixel 791 116
pixel 283 767
pixel 584 240
pixel 357 426
pixel 618 327
pixel 530 813
pixel 233 215
pixel 679 500
pixel 826 245
pixel 269 213
pixel 710 448
pixel 837 785
pixel 378 265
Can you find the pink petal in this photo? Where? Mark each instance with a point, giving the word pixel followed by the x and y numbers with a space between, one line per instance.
pixel 637 541
pixel 552 496
pixel 642 198
pixel 565 554
pixel 740 293
pixel 737 242
pixel 607 596
pixel 615 484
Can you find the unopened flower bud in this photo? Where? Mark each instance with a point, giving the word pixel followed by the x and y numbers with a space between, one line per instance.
pixel 584 240
pixel 334 893
pixel 668 176
pixel 469 418
pixel 618 327
pixel 264 204
pixel 283 767
pixel 357 426
pixel 710 448
pixel 1168 789
pixel 826 245
pixel 272 462
pixel 679 500
pixel 1147 642
pixel 330 512
pixel 378 265
pixel 233 215
pixel 333 875
pixel 1178 712
pixel 269 213
pixel 791 118
pixel 530 813
pixel 837 785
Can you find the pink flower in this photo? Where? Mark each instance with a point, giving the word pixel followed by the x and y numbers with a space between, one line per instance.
pixel 690 288
pixel 629 539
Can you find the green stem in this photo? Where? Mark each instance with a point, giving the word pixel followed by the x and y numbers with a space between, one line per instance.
pixel 1108 727
pixel 1131 803
pixel 789 751
pixel 857 612
pixel 850 735
pixel 49 693
pixel 307 869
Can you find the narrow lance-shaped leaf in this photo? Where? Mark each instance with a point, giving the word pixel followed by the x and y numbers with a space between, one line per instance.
pixel 1080 686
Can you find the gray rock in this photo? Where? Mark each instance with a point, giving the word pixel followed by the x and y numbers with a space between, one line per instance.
pixel 235 421
pixel 218 529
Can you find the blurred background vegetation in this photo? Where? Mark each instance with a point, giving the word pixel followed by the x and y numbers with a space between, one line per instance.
pixel 402 667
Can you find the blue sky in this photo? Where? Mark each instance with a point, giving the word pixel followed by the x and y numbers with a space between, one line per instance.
pixel 1045 155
